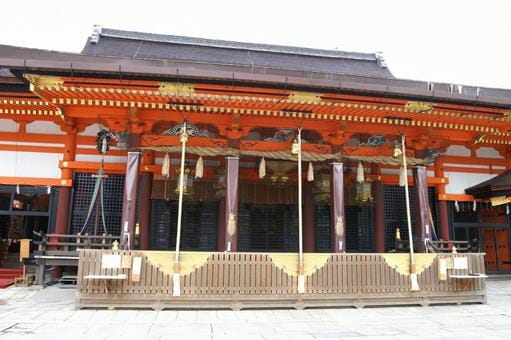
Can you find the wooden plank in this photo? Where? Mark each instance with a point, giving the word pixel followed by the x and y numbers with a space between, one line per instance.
pixel 209 278
pixel 79 274
pixel 154 280
pixel 230 273
pixel 364 270
pixel 198 280
pixel 345 273
pixel 257 275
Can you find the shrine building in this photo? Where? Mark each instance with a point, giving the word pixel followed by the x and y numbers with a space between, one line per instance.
pixel 72 125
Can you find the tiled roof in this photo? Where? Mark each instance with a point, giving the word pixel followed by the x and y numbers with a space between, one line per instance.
pixel 109 42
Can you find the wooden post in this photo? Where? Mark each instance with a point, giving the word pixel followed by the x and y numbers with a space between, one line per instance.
pixel 443 215
pixel 379 212
pixel 64 198
pixel 301 276
pixel 337 209
pixel 413 270
pixel 146 183
pixel 176 277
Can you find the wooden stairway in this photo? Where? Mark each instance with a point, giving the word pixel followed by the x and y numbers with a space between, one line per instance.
pixel 7 276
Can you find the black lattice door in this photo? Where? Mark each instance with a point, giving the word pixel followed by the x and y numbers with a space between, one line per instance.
pixel 265 227
pixel 82 196
pixel 199 225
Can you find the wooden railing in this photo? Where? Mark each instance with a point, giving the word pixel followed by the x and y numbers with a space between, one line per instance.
pixel 403 246
pixel 242 280
pixel 70 242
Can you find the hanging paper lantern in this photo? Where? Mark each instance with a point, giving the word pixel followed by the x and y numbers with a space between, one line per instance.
pixel 402 176
pixel 199 168
pixel 310 173
pixel 474 206
pixel 262 168
pixel 456 206
pixel 165 168
pixel 360 172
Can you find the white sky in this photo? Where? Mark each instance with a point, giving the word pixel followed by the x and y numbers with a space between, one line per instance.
pixel 462 42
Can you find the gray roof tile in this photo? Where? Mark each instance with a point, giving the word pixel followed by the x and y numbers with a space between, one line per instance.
pixel 168 47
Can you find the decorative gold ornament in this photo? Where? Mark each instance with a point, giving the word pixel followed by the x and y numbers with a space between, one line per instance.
pixel 176 89
pixel 361 193
pixel 396 150
pixel 419 106
pixel 321 190
pixel 306 97
pixel 187 182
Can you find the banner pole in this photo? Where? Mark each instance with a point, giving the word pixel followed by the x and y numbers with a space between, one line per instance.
pixel 413 269
pixel 176 277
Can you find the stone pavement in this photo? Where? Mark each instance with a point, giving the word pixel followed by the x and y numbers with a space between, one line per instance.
pixel 30 313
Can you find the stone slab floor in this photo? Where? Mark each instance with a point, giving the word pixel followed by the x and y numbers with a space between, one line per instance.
pixel 31 313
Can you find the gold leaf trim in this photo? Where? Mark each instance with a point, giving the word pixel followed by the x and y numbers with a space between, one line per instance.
pixel 401 262
pixel 288 262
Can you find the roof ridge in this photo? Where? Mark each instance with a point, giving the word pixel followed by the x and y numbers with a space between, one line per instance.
pixel 175 39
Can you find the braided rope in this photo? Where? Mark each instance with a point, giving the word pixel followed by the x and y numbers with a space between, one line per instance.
pixel 286 155
pixel 387 160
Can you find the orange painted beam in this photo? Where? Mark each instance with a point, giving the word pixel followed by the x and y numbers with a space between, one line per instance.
pixel 118 168
pixel 27 117
pixel 473 170
pixel 54 182
pixel 394 179
pixel 471 160
pixel 159 140
pixel 93 166
pixel 262 92
pixel 31 148
pixel 44 138
pixel 111 152
pixel 256 145
pixel 457 197
pixel 57 150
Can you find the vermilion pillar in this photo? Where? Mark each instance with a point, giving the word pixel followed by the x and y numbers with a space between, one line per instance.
pixel 379 223
pixel 146 184
pixel 443 215
pixel 63 206
pixel 337 209
pixel 309 237
pixel 422 210
pixel 231 204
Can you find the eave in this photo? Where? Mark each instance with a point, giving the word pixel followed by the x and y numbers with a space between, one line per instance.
pixel 36 61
